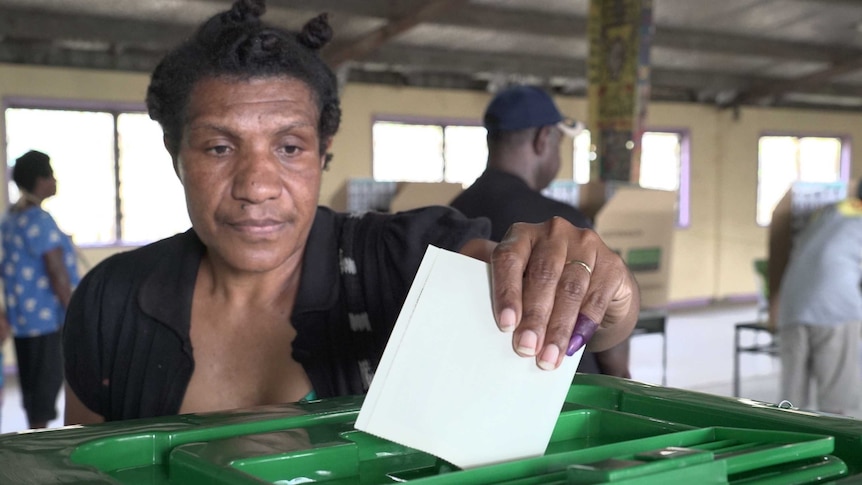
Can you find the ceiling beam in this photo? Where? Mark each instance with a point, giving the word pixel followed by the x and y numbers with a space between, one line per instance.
pixel 371 41
pixel 366 8
pixel 459 81
pixel 775 89
pixel 556 25
pixel 449 69
pixel 47 54
pixel 29 24
pixel 30 37
pixel 431 59
pixel 568 26
pixel 853 3
pixel 406 59
pixel 704 41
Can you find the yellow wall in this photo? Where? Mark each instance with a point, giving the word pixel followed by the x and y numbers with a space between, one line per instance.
pixel 712 258
pixel 740 240
pixel 48 82
pixel 696 263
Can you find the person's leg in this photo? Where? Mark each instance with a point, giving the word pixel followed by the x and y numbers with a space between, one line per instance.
pixel 835 351
pixel 23 358
pixel 49 380
pixel 794 353
pixel 40 370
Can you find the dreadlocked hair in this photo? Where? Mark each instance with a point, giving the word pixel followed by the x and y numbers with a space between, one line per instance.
pixel 237 44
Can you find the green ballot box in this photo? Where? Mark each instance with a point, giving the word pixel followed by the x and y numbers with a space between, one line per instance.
pixel 609 431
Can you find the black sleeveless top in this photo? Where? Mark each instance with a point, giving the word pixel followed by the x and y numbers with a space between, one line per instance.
pixel 126 339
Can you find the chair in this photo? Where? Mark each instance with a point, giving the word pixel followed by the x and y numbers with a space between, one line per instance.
pixel 765 339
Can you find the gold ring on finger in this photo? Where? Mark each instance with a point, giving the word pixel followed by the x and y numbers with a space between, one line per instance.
pixel 583 264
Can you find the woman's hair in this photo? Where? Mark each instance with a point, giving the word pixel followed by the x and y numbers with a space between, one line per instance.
pixel 29 167
pixel 236 44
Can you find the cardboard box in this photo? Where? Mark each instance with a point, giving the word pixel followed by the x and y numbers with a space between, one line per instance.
pixel 410 195
pixel 639 224
pixel 593 196
pixel 790 216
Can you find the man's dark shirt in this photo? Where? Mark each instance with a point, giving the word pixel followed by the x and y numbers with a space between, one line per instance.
pixel 506 199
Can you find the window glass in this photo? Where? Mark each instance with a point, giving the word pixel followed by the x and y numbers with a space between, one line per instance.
pixel 81 147
pixel 661 164
pixel 584 155
pixel 819 159
pixel 783 160
pixel 660 160
pixel 98 172
pixel 407 153
pixel 151 197
pixel 466 154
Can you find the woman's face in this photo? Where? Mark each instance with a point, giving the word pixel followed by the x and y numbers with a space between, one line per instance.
pixel 45 186
pixel 250 164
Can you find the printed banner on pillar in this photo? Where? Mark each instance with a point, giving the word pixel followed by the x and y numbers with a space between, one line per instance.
pixel 618 73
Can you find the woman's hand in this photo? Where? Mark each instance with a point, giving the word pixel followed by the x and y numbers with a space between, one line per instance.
pixel 548 276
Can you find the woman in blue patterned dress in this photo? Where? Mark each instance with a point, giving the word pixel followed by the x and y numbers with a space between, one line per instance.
pixel 39 273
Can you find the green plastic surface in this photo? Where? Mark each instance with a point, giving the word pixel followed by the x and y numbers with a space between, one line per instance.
pixel 610 431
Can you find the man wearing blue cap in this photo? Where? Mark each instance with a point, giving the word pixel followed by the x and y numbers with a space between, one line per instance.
pixel 525 131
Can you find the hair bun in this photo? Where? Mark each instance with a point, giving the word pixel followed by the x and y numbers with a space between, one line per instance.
pixel 244 11
pixel 316 33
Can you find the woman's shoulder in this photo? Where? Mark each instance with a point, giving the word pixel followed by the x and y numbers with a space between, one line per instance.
pixel 27 215
pixel 126 265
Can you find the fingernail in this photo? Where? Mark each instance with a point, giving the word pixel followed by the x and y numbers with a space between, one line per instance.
pixel 527 343
pixel 548 361
pixel 584 329
pixel 576 342
pixel 507 320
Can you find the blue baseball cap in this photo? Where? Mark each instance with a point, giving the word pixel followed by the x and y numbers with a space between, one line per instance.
pixel 522 107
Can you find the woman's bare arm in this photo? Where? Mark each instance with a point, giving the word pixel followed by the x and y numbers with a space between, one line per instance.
pixel 77 412
pixel 58 276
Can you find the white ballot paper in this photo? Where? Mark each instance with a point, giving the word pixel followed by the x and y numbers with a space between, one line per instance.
pixel 449 382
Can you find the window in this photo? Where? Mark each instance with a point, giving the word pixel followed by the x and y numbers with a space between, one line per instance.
pixel 664 164
pixel 115 181
pixel 783 160
pixel 585 154
pixel 410 152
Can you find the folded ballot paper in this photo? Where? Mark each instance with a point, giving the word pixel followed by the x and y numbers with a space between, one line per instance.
pixel 450 383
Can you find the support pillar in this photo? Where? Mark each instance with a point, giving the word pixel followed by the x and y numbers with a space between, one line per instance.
pixel 618 72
